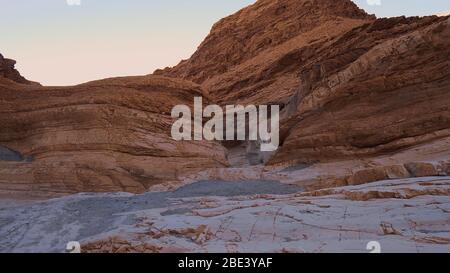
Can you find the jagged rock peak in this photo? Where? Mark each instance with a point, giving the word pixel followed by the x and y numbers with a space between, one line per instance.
pixel 253 29
pixel 8 71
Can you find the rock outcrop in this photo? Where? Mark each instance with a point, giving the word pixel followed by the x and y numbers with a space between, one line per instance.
pixel 253 56
pixel 351 86
pixel 8 71
pixel 108 135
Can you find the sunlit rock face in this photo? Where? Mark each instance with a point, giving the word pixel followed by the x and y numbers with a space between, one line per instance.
pixel 8 71
pixel 254 56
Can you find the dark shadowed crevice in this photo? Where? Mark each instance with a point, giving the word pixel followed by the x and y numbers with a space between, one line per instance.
pixel 7 154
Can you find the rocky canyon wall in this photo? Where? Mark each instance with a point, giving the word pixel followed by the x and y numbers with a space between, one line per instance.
pixel 109 135
pixel 351 87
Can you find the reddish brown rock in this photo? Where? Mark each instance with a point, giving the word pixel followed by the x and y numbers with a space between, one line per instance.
pixel 367 176
pixel 351 86
pixel 8 71
pixel 393 96
pixel 109 135
pixel 254 55
pixel 446 167
pixel 421 169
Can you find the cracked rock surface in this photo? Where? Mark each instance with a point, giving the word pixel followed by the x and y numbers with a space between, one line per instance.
pixel 405 215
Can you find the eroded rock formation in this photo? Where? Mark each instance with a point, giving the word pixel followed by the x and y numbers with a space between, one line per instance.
pixel 109 135
pixel 393 96
pixel 8 71
pixel 353 88
pixel 254 55
pixel 365 143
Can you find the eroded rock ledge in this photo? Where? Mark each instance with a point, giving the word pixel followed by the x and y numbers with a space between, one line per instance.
pixel 8 71
pixel 356 91
pixel 103 136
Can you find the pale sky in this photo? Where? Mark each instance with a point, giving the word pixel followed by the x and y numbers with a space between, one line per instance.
pixel 58 44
